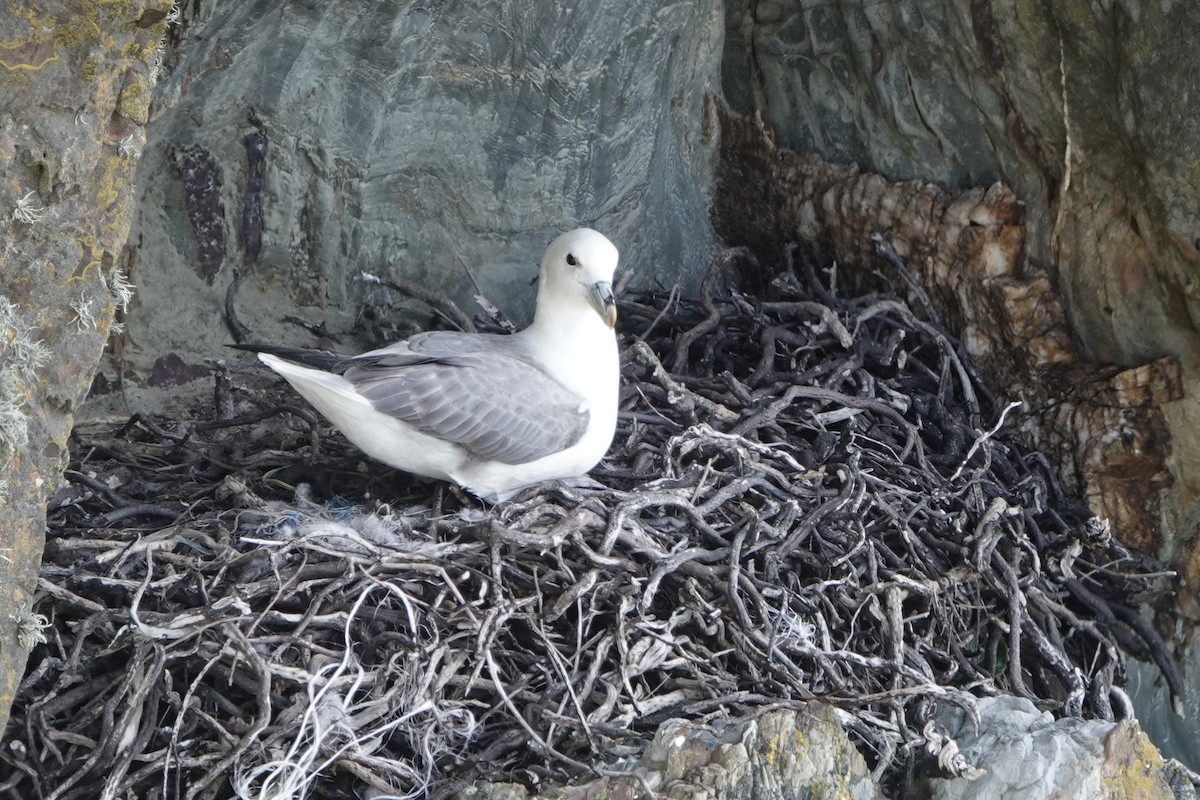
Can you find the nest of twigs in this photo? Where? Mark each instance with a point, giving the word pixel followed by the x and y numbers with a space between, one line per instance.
pixel 808 498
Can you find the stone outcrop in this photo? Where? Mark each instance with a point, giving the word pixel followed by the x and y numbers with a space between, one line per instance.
pixel 75 88
pixel 297 146
pixel 1011 751
pixel 783 755
pixel 1025 754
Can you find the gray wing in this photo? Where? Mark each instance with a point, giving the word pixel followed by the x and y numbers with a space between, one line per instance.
pixel 480 391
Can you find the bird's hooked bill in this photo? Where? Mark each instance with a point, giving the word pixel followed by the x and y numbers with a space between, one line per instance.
pixel 601 295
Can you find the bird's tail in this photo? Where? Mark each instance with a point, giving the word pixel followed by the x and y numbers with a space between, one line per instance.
pixel 317 359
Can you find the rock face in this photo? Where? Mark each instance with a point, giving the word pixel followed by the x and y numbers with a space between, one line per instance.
pixel 1082 108
pixel 74 95
pixel 1086 111
pixel 75 88
pixel 1027 755
pixel 299 145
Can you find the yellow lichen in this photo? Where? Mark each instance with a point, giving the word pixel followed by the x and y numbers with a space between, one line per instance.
pixel 87 259
pixel 770 750
pixel 33 48
pixel 90 21
pixel 33 25
pixel 117 230
pixel 80 27
pixel 30 67
pixel 112 174
pixel 134 103
pixel 1135 768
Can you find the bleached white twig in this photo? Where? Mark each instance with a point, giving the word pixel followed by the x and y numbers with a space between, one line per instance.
pixel 983 438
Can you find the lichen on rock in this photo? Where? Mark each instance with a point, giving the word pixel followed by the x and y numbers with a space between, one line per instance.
pixel 21 355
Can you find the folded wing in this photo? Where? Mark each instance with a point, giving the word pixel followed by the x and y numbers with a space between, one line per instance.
pixel 482 392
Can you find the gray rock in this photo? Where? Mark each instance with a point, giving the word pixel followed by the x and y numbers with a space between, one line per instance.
pixel 303 144
pixel 1176 735
pixel 1028 755
pixel 965 94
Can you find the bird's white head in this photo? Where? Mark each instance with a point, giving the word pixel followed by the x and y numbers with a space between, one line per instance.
pixel 579 266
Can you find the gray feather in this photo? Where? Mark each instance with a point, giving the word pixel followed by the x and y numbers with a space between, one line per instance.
pixel 483 392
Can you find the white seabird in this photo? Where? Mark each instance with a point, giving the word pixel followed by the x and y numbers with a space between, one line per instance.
pixel 492 413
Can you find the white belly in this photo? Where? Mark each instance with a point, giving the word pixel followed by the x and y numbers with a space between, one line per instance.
pixel 380 436
pixel 397 444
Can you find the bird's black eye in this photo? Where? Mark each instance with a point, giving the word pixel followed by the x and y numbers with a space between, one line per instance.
pixel 572 260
